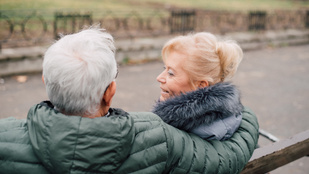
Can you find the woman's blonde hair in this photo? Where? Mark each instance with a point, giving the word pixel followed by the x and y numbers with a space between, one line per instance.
pixel 207 58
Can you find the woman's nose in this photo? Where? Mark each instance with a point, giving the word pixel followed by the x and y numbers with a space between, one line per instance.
pixel 161 78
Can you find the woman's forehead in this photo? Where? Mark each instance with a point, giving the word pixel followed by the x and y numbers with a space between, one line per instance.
pixel 175 60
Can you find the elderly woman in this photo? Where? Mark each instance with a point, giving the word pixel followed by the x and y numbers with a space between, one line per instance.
pixel 194 94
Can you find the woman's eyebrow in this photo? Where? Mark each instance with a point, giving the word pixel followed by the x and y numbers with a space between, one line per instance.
pixel 171 68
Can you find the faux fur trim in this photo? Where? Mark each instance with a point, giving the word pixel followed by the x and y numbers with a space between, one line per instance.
pixel 202 106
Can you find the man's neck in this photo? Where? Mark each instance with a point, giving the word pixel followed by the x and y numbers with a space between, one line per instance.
pixel 103 111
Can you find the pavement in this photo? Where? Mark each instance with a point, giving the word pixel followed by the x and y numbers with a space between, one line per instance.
pixel 274 83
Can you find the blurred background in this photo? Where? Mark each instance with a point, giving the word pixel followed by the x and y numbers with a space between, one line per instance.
pixel 274 34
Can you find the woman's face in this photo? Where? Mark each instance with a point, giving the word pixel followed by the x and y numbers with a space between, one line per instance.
pixel 174 80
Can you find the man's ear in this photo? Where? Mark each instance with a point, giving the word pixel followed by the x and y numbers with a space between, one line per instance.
pixel 109 94
pixel 43 79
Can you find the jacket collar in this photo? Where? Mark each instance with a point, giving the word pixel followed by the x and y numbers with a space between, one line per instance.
pixel 202 106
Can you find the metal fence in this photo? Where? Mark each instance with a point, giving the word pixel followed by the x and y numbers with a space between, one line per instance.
pixel 182 21
pixel 70 23
pixel 28 28
pixel 36 27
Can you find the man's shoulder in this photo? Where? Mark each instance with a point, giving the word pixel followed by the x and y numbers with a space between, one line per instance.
pixel 13 136
pixel 135 116
pixel 13 131
pixel 12 123
pixel 140 116
pixel 146 121
pixel 17 155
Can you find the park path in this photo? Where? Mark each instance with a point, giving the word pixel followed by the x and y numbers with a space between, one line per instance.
pixel 274 83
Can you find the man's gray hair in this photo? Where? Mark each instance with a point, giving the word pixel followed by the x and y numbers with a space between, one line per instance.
pixel 77 69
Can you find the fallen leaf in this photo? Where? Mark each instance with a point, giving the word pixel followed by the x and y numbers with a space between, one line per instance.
pixel 21 79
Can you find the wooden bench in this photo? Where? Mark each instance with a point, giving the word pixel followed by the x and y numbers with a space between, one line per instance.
pixel 268 158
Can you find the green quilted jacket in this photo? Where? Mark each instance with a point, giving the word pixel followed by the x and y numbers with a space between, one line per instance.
pixel 140 142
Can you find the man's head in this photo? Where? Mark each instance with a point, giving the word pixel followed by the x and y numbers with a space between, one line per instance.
pixel 79 70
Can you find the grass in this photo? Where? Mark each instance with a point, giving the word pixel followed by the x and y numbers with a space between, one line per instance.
pixel 62 4
pixel 239 5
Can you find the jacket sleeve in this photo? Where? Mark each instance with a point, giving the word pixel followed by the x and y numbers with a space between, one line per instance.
pixel 190 154
pixel 16 154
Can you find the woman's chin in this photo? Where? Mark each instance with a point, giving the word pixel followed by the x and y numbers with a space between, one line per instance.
pixel 163 97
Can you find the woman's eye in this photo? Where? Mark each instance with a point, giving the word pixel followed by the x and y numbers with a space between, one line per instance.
pixel 170 73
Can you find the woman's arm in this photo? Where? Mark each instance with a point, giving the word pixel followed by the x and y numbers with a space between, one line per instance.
pixel 188 152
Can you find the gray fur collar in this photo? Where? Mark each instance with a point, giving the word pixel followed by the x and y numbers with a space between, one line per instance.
pixel 202 106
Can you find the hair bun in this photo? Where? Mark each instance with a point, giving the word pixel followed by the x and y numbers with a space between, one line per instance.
pixel 230 55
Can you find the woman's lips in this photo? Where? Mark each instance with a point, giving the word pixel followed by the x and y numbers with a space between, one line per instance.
pixel 164 93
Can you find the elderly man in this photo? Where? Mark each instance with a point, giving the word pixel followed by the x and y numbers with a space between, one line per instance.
pixel 77 131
